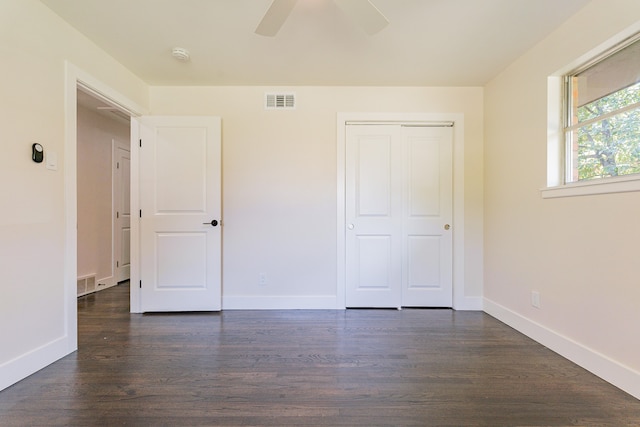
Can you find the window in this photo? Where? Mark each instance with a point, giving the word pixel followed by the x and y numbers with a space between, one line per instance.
pixel 602 116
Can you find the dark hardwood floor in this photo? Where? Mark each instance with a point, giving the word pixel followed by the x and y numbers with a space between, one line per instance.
pixel 308 368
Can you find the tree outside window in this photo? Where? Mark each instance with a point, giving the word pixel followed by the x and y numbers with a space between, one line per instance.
pixel 603 132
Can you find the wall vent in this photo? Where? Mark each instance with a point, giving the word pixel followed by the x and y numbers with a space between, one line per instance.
pixel 279 101
pixel 86 284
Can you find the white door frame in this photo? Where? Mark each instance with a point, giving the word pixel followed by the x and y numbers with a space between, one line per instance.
pixel 458 191
pixel 77 78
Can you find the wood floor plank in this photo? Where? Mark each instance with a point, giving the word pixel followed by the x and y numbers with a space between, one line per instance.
pixel 309 368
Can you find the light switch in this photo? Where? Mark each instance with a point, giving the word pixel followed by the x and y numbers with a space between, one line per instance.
pixel 52 160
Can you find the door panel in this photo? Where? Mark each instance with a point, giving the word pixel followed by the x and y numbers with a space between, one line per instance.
pixel 181 260
pixel 423 180
pixel 181 170
pixel 180 190
pixel 423 262
pixel 398 201
pixel 374 262
pixel 373 181
pixel 125 253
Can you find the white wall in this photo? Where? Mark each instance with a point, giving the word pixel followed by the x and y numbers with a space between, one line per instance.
pixel 280 181
pixel 580 253
pixel 95 205
pixel 34 44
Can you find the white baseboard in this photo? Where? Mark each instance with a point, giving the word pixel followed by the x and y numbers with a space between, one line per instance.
pixel 619 375
pixel 328 302
pixel 468 304
pixel 26 364
pixel 321 302
pixel 105 282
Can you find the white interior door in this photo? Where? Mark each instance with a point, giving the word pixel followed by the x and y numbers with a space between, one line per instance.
pixel 122 204
pixel 180 233
pixel 398 216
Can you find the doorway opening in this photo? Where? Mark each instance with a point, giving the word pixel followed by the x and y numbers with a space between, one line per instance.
pixel 103 194
pixel 75 80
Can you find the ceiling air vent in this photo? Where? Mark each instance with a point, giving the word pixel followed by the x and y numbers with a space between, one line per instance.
pixel 279 101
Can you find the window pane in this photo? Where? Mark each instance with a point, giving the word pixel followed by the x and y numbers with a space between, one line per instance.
pixel 610 103
pixel 603 116
pixel 609 147
pixel 608 76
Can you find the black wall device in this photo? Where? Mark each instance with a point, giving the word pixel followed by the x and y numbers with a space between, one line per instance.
pixel 37 153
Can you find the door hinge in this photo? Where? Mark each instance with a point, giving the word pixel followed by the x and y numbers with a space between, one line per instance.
pixel 117 215
pixel 117 165
pixel 140 213
pixel 141 143
pixel 117 264
pixel 140 284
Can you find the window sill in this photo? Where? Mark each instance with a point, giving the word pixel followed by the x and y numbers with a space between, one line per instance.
pixel 601 186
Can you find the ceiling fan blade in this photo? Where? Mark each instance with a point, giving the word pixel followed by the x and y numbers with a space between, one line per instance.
pixel 275 17
pixel 365 14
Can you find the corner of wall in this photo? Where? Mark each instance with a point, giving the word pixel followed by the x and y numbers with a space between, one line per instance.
pixel 598 364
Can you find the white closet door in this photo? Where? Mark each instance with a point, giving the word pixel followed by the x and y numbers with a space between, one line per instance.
pixel 427 215
pixel 398 216
pixel 374 216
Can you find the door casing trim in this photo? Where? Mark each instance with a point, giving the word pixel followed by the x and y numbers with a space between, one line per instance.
pixel 76 78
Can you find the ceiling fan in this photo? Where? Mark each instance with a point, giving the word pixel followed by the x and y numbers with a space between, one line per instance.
pixel 361 11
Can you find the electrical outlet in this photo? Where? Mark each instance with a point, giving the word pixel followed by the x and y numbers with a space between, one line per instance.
pixel 535 299
pixel 262 279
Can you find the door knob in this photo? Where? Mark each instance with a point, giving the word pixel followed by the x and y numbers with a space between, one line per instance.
pixel 447 226
pixel 213 223
pixel 350 226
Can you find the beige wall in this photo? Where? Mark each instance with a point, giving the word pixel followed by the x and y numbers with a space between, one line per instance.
pixel 34 44
pixel 280 178
pixel 580 253
pixel 280 191
pixel 95 205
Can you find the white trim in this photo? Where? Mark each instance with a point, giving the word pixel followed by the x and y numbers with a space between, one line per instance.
pixel 72 75
pixel 114 190
pixel 620 184
pixel 604 367
pixel 460 302
pixel 26 364
pixel 320 302
pixel 406 123
pixel 135 300
pixel 76 78
pixel 602 117
pixel 469 303
pixel 556 146
pixel 105 282
pixel 135 303
pixel 117 144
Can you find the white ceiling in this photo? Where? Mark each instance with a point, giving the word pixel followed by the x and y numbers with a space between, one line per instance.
pixel 427 43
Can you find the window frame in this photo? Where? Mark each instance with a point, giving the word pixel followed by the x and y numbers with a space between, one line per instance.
pixel 559 147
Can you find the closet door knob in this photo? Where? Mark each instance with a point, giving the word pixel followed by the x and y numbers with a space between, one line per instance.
pixel 213 223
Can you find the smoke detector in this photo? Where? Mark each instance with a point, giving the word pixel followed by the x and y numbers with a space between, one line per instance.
pixel 181 54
